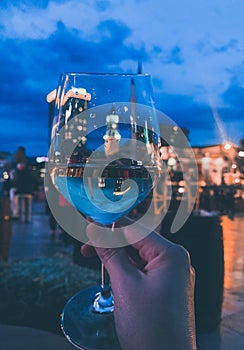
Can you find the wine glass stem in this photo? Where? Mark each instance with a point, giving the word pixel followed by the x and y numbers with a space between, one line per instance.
pixel 104 302
pixel 105 285
pixel 105 281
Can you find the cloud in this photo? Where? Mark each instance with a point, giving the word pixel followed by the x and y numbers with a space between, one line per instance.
pixel 30 69
pixel 176 56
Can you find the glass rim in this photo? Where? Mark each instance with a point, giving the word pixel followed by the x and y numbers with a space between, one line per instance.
pixel 108 74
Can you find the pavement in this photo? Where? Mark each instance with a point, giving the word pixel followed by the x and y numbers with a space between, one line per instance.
pixel 33 239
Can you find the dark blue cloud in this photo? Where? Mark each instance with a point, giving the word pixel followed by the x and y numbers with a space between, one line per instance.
pixel 183 110
pixel 102 5
pixel 24 4
pixel 199 118
pixel 175 56
pixel 234 96
pixel 207 48
pixel 230 45
pixel 105 54
pixel 30 69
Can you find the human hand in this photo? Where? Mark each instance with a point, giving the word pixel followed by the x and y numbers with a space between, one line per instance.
pixel 153 288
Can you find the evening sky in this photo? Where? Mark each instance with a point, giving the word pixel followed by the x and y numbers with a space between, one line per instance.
pixel 194 50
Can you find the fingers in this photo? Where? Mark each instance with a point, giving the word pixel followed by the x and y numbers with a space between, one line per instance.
pixel 87 250
pixel 115 260
pixel 150 246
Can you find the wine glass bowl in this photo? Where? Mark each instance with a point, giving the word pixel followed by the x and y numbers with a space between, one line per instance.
pixel 104 159
pixel 103 132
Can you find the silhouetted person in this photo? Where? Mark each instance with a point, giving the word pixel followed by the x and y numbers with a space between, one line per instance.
pixel 205 200
pixel 14 202
pixel 19 156
pixel 230 203
pixel 25 184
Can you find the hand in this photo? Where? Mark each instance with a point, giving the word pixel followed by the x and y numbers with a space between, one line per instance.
pixel 153 288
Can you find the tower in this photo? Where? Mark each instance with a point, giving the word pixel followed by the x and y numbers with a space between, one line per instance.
pixel 112 136
pixel 133 110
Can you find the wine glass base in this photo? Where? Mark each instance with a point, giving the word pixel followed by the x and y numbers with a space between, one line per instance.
pixel 85 328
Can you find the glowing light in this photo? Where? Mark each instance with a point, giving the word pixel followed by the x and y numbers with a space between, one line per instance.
pixel 41 159
pixel 227 146
pixel 171 161
pixel 241 153
pixel 5 175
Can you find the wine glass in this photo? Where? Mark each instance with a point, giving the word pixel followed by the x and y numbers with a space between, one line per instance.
pixel 104 159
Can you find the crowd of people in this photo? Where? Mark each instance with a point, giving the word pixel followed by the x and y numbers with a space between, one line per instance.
pixel 222 200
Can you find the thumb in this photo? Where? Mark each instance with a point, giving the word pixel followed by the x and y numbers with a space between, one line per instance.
pixel 115 260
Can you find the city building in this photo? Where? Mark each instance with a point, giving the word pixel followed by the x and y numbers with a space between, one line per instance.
pixel 217 165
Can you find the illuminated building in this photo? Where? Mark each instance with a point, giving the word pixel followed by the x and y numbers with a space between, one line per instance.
pixel 217 164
